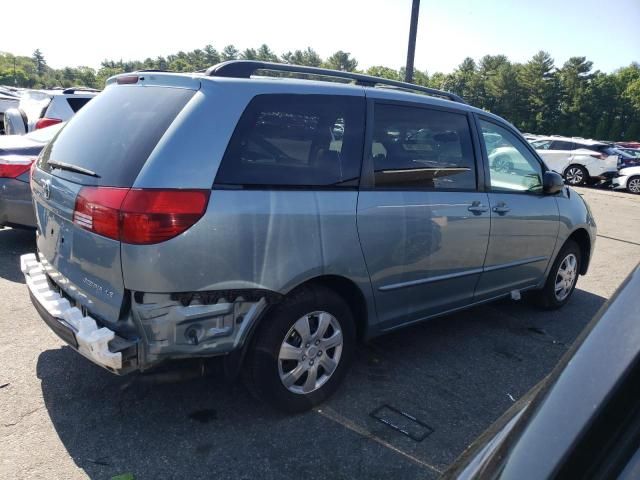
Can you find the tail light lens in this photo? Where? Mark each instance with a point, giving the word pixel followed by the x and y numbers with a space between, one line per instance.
pixel 98 210
pixel 14 167
pixel 46 122
pixel 139 216
pixel 153 216
pixel 599 156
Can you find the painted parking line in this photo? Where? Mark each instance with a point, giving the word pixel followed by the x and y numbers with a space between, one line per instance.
pixel 331 414
pixel 619 240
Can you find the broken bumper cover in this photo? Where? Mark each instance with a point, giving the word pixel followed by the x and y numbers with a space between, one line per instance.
pixel 79 331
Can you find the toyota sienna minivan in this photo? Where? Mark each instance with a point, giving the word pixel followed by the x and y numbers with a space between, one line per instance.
pixel 277 221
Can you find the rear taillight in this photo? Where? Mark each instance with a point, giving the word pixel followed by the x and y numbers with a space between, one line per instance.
pixel 153 216
pixel 12 168
pixel 98 210
pixel 139 216
pixel 46 122
pixel 599 156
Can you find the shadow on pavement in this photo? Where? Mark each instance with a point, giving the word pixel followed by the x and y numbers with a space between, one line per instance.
pixel 456 374
pixel 15 242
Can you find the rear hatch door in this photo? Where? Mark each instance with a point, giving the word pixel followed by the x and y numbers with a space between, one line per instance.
pixel 104 146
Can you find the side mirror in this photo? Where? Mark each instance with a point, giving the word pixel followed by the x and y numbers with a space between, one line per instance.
pixel 552 183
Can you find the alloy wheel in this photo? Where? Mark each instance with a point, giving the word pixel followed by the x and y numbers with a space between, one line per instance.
pixel 574 176
pixel 633 185
pixel 310 352
pixel 566 276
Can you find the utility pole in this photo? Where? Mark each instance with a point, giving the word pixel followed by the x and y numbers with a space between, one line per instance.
pixel 411 51
pixel 15 80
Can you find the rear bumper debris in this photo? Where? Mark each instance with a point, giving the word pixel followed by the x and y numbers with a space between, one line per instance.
pixel 79 331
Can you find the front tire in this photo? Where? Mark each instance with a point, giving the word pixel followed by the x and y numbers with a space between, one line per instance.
pixel 575 175
pixel 562 278
pixel 633 185
pixel 302 350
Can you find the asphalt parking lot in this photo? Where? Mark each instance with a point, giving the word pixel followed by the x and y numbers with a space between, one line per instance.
pixel 62 417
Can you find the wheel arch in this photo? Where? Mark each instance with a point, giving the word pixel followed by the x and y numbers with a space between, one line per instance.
pixel 347 289
pixel 582 238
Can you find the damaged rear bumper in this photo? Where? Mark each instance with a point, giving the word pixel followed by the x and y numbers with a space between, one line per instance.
pixel 164 326
pixel 99 344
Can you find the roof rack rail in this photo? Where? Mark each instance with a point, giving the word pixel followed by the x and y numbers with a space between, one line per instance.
pixel 246 68
pixel 79 89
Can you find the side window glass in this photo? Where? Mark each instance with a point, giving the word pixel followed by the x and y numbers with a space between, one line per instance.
pixel 296 140
pixel 421 148
pixel 512 167
pixel 542 144
pixel 561 145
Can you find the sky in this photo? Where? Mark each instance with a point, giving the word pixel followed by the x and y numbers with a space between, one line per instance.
pixel 375 32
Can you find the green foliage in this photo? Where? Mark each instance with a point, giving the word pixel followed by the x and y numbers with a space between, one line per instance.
pixel 384 72
pixel 341 61
pixel 536 96
pixel 308 57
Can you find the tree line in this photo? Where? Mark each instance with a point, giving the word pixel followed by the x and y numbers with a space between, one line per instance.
pixel 537 96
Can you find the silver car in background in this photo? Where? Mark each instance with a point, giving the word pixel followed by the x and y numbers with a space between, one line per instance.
pixel 219 214
pixel 17 154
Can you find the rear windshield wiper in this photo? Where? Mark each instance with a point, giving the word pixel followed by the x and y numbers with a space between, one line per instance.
pixel 72 168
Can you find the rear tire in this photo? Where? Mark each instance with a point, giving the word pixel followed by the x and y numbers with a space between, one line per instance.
pixel 301 350
pixel 575 175
pixel 562 278
pixel 633 185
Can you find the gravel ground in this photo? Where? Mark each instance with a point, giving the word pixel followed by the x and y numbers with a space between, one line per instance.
pixel 62 417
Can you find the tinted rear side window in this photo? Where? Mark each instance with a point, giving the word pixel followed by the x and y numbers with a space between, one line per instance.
pixel 595 148
pixel 77 103
pixel 422 148
pixel 114 134
pixel 296 140
pixel 561 145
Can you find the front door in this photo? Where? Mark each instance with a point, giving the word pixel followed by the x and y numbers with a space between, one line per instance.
pixel 423 224
pixel 524 221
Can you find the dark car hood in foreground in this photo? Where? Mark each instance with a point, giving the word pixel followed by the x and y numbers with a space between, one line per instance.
pixel 563 426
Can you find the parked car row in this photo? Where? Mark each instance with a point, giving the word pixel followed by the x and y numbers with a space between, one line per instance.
pixel 42 108
pixel 588 162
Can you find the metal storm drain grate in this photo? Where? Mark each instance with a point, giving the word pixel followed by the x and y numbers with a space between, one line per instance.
pixel 402 422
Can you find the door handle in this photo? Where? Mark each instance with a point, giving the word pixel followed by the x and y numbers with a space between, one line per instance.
pixel 501 208
pixel 477 208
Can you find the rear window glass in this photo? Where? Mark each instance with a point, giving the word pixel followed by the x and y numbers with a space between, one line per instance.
pixel 77 103
pixel 296 140
pixel 114 134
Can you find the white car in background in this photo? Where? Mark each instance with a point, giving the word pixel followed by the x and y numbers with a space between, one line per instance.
pixel 629 179
pixel 9 98
pixel 580 161
pixel 43 108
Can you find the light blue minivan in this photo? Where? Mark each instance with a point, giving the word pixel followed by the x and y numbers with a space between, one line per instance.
pixel 276 221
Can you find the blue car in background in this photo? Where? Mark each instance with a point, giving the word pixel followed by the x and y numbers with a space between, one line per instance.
pixel 17 153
